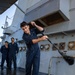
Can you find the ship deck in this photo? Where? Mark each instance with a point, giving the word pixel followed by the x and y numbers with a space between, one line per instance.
pixel 18 71
pixel 12 72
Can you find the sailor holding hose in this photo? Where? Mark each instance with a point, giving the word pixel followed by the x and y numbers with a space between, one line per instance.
pixel 33 51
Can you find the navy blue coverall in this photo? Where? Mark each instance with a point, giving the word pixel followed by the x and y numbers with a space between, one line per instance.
pixel 13 49
pixel 33 52
pixel 4 52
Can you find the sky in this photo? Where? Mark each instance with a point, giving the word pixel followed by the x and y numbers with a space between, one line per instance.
pixel 10 13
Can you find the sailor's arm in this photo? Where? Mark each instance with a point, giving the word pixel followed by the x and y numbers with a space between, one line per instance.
pixel 2 49
pixel 37 26
pixel 39 39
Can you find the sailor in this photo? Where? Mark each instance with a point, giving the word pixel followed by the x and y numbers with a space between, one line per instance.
pixel 13 50
pixel 33 51
pixel 4 51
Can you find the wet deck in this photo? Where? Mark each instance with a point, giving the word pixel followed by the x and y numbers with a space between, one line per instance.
pixel 18 71
pixel 12 72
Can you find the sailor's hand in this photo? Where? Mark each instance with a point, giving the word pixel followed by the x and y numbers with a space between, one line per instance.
pixel 44 37
pixel 33 23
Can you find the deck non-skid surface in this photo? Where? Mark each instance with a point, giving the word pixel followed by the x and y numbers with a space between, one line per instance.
pixel 18 71
pixel 12 72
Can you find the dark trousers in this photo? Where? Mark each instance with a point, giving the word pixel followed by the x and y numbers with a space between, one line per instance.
pixel 7 60
pixel 32 59
pixel 12 58
pixel 3 60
